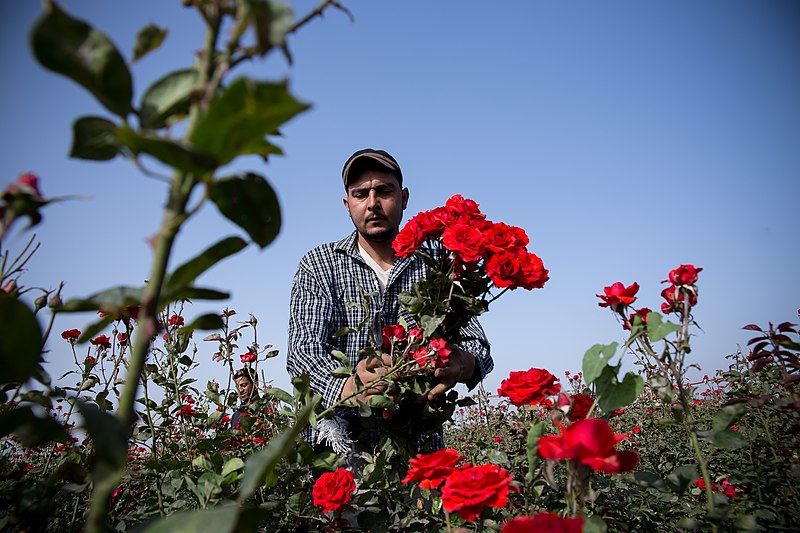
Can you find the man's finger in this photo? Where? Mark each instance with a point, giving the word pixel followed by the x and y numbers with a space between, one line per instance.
pixel 438 390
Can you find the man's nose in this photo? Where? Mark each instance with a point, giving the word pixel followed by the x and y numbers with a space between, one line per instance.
pixel 373 201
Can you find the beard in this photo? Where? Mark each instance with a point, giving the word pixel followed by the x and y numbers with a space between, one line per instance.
pixel 378 235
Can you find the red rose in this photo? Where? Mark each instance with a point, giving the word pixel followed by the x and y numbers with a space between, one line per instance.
pixel 27 183
pixel 581 403
pixel 529 387
pixel 533 275
pixel 391 334
pixel 464 208
pixel 89 362
pixel 102 341
pixel 71 334
pixel 701 484
pixel 421 355
pixel 642 314
pixel 414 334
pixel 675 297
pixel 684 275
pixel 590 442
pixel 442 352
pixel 175 320
pixel 498 439
pixel 431 469
pixel 501 237
pixel 333 490
pixel 187 410
pixel 729 489
pixel 408 240
pixel 248 357
pixel 505 269
pixel 122 338
pixel 469 490
pixel 429 223
pixel 618 294
pixel 545 523
pixel 465 240
pixel 636 430
pixel 258 441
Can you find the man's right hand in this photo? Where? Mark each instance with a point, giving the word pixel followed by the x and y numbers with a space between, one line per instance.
pixel 369 372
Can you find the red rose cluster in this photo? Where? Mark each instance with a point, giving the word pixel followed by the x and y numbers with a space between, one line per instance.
pixel 728 488
pixel 544 522
pixel 333 490
pixel 475 242
pixel 590 442
pixel 530 387
pixel 467 490
pixel 409 344
pixel 681 289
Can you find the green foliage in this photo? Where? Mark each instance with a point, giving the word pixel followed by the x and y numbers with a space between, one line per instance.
pixel 612 393
pixel 94 138
pixel 20 340
pixel 657 329
pixel 596 359
pixel 251 203
pixel 189 271
pixel 148 39
pixel 74 49
pixel 168 99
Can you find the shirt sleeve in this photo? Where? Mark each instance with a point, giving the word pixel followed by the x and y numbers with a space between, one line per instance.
pixel 473 340
pixel 310 331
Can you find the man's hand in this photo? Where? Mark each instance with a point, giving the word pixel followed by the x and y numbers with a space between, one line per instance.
pixel 369 372
pixel 458 370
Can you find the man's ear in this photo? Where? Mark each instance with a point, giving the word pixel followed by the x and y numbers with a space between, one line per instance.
pixel 346 205
pixel 405 197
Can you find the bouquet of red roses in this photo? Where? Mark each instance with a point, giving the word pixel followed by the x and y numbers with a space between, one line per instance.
pixel 468 256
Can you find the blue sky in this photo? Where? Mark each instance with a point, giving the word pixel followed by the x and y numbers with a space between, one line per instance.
pixel 626 137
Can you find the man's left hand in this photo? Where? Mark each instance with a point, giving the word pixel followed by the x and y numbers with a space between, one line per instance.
pixel 458 370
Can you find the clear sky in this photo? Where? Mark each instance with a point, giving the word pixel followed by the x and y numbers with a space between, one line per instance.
pixel 626 137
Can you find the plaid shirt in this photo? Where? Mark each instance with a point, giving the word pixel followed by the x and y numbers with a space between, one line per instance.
pixel 327 294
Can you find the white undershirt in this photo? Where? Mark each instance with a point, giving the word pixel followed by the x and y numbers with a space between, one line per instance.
pixel 383 275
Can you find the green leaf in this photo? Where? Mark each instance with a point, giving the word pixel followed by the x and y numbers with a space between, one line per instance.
pixel 190 270
pixel 221 519
pixel 271 20
pixel 205 322
pixel 728 439
pixel 74 49
pixel 107 300
pixel 657 329
pixel 650 479
pixel 341 372
pixel 381 401
pixel 237 121
pixel 167 151
pixel 20 340
pixel 95 328
pixel 193 293
pixel 682 477
pixel 430 323
pixel 109 435
pixel 341 357
pixel 148 39
pixel 727 416
pixel 94 138
pixel 532 447
pixel 260 464
pixel 595 360
pixel 232 465
pixel 594 524
pixel 250 203
pixel 612 394
pixel 280 394
pixel 168 98
pixel 31 429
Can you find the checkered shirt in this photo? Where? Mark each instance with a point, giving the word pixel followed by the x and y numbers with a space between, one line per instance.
pixel 327 295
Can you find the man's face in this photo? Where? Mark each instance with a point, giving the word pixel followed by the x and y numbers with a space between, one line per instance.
pixel 376 203
pixel 244 387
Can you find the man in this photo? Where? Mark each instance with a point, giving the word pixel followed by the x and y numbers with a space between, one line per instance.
pixel 330 285
pixel 245 381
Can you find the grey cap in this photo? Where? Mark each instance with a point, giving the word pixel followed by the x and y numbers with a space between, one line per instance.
pixel 358 159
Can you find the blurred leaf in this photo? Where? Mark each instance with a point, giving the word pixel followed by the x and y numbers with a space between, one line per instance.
pixel 95 328
pixel 649 479
pixel 595 360
pixel 280 394
pixel 343 331
pixel 74 49
pixel 205 322
pixel 613 394
pixel 232 465
pixel 380 401
pixel 271 20
pixel 94 138
pixel 167 97
pixel 594 524
pixel 430 323
pixel 20 340
pixel 109 435
pixel 251 203
pixel 260 464
pixel 190 270
pixel 727 416
pixel 221 519
pixel 237 121
pixel 532 447
pixel 109 299
pixel 657 330
pixel 31 429
pixel 148 39
pixel 341 372
pixel 730 440
pixel 682 477
pixel 192 293
pixel 167 151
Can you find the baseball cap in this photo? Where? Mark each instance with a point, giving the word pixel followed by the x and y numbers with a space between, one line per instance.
pixel 359 159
